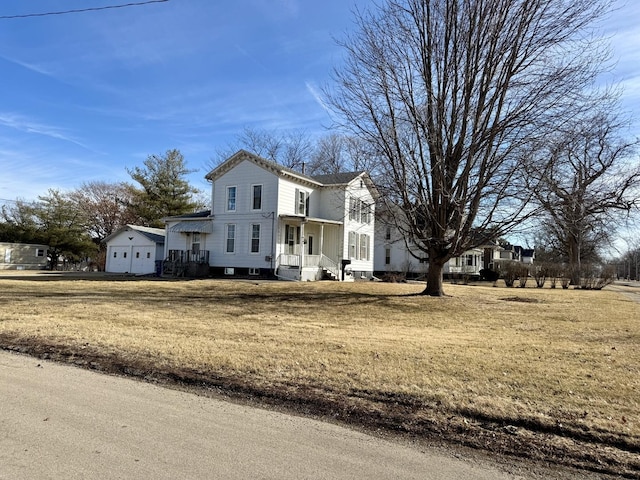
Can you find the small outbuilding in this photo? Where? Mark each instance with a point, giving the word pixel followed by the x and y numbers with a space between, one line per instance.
pixel 23 256
pixel 135 249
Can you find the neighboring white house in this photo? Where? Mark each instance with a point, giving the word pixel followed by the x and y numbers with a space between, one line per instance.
pixel 396 255
pixel 134 249
pixel 267 220
pixel 23 256
pixel 393 254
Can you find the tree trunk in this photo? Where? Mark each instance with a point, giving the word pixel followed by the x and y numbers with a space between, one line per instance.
pixel 434 280
pixel 575 267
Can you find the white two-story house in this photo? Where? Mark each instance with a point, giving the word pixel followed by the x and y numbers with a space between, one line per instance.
pixel 396 255
pixel 270 221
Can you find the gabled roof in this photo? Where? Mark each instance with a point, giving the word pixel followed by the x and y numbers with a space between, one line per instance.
pixel 268 165
pixel 154 234
pixel 337 178
pixel 341 179
pixel 333 179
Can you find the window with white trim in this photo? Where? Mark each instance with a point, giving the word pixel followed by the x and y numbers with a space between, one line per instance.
pixel 353 244
pixel 256 197
pixel 195 242
pixel 231 198
pixel 231 238
pixel 302 202
pixel 364 247
pixel 255 238
pixel 365 216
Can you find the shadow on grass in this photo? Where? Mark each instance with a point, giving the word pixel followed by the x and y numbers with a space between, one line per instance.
pixel 378 411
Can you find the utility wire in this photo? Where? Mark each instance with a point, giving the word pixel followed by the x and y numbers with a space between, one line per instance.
pixel 80 10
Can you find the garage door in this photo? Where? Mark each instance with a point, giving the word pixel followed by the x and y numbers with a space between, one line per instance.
pixel 119 260
pixel 142 260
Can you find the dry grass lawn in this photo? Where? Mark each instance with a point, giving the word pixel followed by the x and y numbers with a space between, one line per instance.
pixel 544 373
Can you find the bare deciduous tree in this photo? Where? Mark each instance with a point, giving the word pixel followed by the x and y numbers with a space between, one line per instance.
pixel 448 94
pixel 587 178
pixel 290 149
pixel 107 206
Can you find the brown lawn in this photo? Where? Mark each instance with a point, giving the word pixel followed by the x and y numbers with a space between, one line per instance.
pixel 547 374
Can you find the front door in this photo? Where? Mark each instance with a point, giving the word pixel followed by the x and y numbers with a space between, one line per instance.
pixel 292 239
pixel 310 245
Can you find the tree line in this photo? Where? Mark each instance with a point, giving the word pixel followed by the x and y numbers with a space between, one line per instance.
pixel 475 119
pixel 73 224
pixel 485 116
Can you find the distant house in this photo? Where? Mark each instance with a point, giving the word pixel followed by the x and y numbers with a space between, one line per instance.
pixel 134 249
pixel 23 256
pixel 397 255
pixel 270 221
pixel 505 252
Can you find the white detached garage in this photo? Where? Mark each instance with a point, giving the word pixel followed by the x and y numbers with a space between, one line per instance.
pixel 134 249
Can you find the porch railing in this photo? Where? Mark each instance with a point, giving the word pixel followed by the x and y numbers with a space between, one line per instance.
pixel 289 260
pixel 318 261
pixel 186 256
pixel 185 262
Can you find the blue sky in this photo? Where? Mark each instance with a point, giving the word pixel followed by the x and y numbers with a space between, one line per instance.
pixel 86 95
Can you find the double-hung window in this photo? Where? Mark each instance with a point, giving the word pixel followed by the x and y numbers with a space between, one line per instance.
pixel 364 247
pixel 231 199
pixel 353 245
pixel 195 242
pixel 255 238
pixel 256 200
pixel 231 238
pixel 302 202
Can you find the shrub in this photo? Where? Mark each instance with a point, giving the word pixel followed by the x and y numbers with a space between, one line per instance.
pixel 489 275
pixel 523 274
pixel 540 274
pixel 509 272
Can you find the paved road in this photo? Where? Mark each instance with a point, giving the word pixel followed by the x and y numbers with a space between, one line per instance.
pixel 60 422
pixel 629 288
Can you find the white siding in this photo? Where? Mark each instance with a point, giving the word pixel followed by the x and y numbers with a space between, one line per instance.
pixel 243 176
pixel 359 228
pixel 132 252
pixel 330 204
pixel 287 200
pixel 401 260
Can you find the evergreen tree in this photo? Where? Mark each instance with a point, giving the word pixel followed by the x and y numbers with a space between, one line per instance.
pixel 164 189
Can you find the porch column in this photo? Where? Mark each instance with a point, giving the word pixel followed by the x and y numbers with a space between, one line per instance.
pixel 302 244
pixel 322 239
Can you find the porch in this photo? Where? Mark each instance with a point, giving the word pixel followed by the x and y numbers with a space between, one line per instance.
pixel 306 267
pixel 186 263
pixel 309 249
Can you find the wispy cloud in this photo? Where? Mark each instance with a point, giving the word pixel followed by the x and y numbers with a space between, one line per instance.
pixel 37 68
pixel 317 96
pixel 26 125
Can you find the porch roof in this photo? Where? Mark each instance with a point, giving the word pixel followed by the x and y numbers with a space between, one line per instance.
pixel 191 226
pixel 311 219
